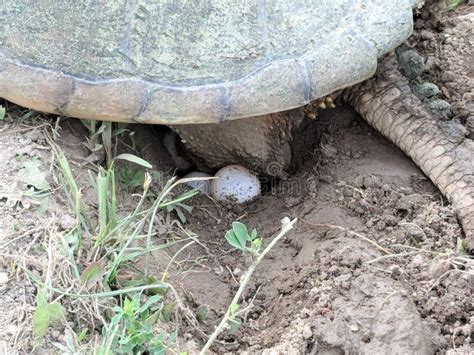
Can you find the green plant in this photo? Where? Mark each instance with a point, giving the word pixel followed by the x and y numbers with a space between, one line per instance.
pixel 453 4
pixel 130 178
pixel 100 138
pixel 462 247
pixel 36 186
pixel 131 329
pixel 33 177
pixel 104 137
pixel 2 113
pixel 238 237
pixel 45 315
pixel 105 244
pixel 73 193
pixel 28 116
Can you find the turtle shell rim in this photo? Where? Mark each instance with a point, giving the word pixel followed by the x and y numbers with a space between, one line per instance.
pixel 135 100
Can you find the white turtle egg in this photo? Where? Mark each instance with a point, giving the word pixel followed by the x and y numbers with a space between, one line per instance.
pixel 201 185
pixel 236 184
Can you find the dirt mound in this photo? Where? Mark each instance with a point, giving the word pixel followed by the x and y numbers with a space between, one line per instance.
pixel 445 39
pixel 369 269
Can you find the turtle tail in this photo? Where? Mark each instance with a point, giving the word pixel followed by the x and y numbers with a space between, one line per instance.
pixel 440 148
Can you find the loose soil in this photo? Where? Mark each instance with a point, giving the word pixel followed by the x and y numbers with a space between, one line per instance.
pixel 373 266
pixel 446 41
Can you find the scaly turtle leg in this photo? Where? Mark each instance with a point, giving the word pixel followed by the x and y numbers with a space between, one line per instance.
pixel 267 145
pixel 270 145
pixel 440 148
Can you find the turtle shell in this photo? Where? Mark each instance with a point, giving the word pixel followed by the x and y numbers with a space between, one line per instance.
pixel 181 61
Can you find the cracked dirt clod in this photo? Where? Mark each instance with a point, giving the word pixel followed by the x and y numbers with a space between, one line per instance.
pixel 440 149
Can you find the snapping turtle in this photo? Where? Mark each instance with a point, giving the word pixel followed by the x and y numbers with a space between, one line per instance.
pixel 198 66
pixel 197 62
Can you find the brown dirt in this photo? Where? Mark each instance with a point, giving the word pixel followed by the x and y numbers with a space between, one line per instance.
pixel 25 228
pixel 446 41
pixel 371 268
pixel 326 288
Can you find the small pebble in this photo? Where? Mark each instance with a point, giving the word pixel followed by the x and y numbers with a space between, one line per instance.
pixel 237 272
pixel 410 62
pixel 307 332
pixel 395 271
pixel 359 210
pixel 67 222
pixel 3 278
pixel 426 90
pixel 11 329
pixel 34 135
pixel 438 268
pixel 55 334
pixel 441 108
pixel 417 260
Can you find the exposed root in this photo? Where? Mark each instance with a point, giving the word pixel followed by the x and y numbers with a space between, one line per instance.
pixel 439 148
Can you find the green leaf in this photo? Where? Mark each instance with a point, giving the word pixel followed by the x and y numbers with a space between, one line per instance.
pixel 233 240
pixel 233 310
pixel 461 246
pixel 40 316
pixel 26 116
pixel 135 302
pixel 150 280
pixel 43 206
pixel 241 232
pixel 167 312
pixel 253 235
pixel 128 307
pixel 137 179
pixel 234 326
pixel 45 315
pixel 149 302
pixel 181 215
pixel 256 244
pixel 131 178
pixel 201 314
pixel 115 319
pixel 453 4
pixel 92 274
pixel 82 335
pixel 40 321
pixel 32 176
pixel 97 147
pixel 102 194
pixel 134 159
pixel 2 113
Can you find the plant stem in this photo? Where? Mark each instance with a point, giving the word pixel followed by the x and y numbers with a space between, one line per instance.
pixel 286 227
